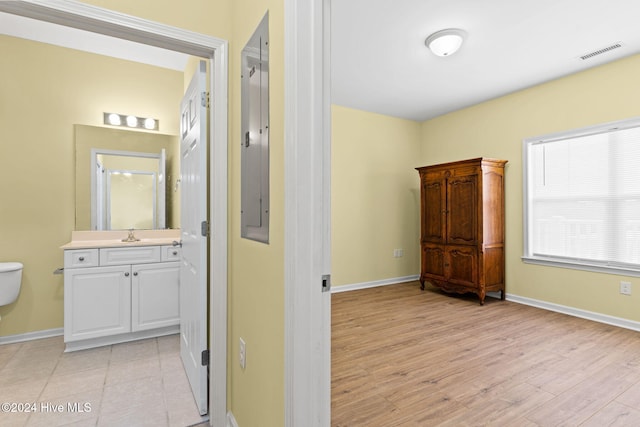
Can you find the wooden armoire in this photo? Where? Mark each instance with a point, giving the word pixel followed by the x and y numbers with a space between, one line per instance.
pixel 462 226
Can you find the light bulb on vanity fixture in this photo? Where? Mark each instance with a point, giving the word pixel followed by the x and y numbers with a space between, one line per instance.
pixel 149 123
pixel 445 42
pixel 114 119
pixel 132 121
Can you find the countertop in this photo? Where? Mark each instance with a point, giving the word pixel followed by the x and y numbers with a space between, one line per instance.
pixel 113 238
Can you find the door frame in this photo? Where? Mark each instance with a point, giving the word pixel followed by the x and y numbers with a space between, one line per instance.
pixel 78 15
pixel 307 213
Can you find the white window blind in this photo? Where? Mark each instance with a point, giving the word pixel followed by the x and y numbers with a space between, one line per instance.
pixel 582 197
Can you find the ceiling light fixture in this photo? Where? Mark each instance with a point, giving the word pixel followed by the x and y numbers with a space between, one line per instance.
pixel 445 42
pixel 115 119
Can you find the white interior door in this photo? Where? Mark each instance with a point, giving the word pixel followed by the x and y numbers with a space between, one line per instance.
pixel 98 211
pixel 193 214
pixel 162 190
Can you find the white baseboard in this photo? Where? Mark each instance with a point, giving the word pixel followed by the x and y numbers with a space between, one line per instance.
pixel 231 420
pixel 373 284
pixel 576 312
pixel 30 336
pixel 120 338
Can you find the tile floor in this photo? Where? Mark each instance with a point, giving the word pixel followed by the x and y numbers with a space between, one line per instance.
pixel 141 383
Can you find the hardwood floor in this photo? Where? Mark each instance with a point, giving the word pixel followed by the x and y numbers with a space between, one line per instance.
pixel 405 357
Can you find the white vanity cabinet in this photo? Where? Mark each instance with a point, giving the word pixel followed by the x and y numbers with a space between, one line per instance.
pixel 97 302
pixel 154 296
pixel 118 294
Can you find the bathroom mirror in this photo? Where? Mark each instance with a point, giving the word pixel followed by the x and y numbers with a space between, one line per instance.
pixel 125 179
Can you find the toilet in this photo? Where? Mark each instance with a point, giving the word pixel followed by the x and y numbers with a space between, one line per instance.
pixel 10 279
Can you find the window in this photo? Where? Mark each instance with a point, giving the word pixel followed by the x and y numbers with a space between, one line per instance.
pixel 582 198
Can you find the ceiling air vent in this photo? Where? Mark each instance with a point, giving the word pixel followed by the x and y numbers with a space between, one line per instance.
pixel 600 51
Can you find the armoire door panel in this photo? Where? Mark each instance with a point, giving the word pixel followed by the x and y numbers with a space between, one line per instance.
pixel 462 265
pixel 433 261
pixel 462 207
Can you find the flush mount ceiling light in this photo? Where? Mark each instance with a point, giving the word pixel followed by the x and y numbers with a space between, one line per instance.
pixel 445 42
pixel 114 119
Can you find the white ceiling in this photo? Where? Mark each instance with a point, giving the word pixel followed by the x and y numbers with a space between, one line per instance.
pixel 380 63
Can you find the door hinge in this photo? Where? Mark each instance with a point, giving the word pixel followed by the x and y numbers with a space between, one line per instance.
pixel 204 99
pixel 204 228
pixel 205 357
pixel 326 282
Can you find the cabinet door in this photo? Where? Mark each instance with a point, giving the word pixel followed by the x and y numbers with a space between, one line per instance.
pixel 462 209
pixel 462 265
pixel 433 261
pixel 433 207
pixel 97 302
pixel 155 296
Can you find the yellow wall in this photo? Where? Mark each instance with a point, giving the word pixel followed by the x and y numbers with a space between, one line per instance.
pixel 497 128
pixel 45 91
pixel 256 273
pixel 374 197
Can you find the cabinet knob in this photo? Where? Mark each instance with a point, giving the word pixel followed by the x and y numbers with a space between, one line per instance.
pixel 126 274
pixel 175 252
pixel 81 258
pixel 135 273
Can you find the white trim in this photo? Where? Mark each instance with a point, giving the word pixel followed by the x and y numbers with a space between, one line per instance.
pixel 218 242
pixel 72 346
pixel 231 420
pixel 307 214
pixel 75 14
pixel 631 122
pixel 374 284
pixel 79 15
pixel 576 312
pixel 550 262
pixel 30 336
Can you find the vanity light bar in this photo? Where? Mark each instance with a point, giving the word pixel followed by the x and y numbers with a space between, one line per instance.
pixel 115 119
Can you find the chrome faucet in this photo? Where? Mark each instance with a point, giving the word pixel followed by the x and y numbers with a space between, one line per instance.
pixel 131 237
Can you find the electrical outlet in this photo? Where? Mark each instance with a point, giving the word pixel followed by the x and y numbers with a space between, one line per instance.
pixel 625 288
pixel 243 354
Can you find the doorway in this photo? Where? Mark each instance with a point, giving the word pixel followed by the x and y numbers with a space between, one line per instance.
pixel 94 19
